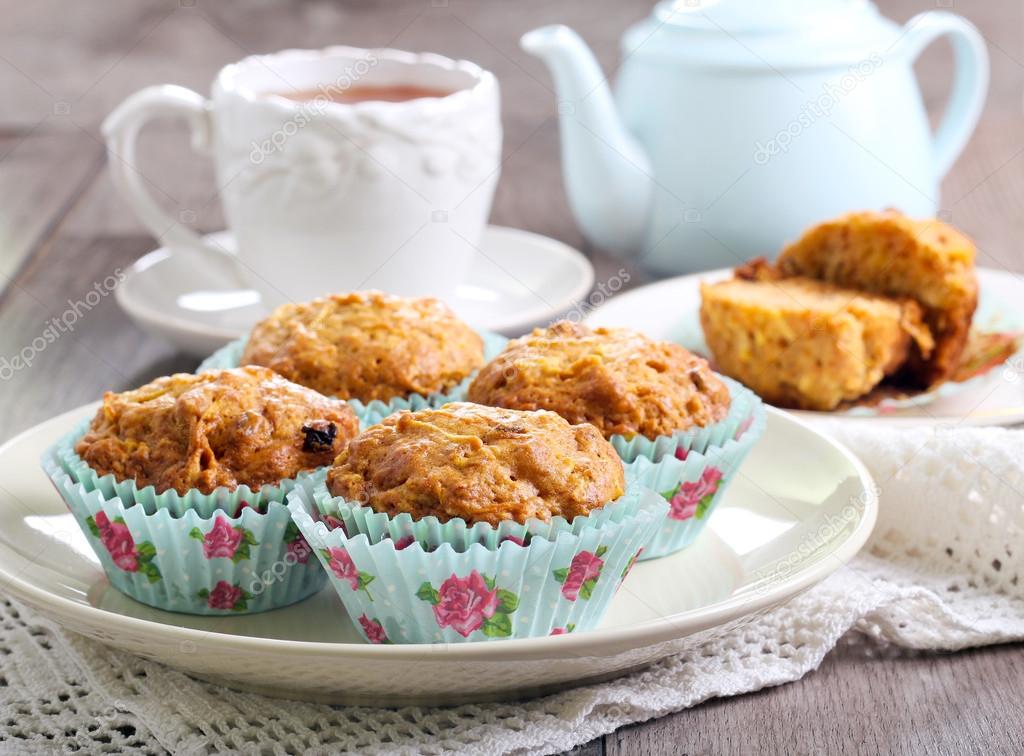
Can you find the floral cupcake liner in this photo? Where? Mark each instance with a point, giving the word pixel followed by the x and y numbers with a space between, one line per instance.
pixel 230 356
pixel 412 595
pixel 693 483
pixel 211 559
pixel 744 407
pixel 430 533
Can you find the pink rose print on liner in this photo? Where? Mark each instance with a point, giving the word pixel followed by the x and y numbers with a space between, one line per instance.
pixel 563 630
pixel 341 564
pixel 225 596
pixel 300 549
pixel 465 603
pixel 373 630
pixel 225 541
pixel 632 561
pixel 222 541
pixel 513 539
pixel 404 542
pixel 125 553
pixel 692 498
pixel 118 541
pixel 297 546
pixel 682 453
pixel 471 603
pixel 744 427
pixel 580 578
pixel 333 523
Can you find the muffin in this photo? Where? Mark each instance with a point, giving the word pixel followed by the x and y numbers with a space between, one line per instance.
pixel 480 464
pixel 367 345
pixel 889 254
pixel 616 379
pixel 179 488
pixel 805 344
pixel 245 426
pixel 476 523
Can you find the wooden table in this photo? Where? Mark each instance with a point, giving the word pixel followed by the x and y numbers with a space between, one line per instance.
pixel 64 65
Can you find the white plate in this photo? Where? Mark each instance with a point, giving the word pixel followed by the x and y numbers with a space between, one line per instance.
pixel 670 310
pixel 519 281
pixel 782 526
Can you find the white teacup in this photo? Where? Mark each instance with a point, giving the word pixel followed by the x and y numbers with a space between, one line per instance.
pixel 327 196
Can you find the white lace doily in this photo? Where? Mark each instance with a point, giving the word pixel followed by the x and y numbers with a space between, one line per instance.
pixel 940 572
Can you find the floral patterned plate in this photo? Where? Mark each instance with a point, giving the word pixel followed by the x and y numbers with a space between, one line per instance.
pixel 990 391
pixel 782 526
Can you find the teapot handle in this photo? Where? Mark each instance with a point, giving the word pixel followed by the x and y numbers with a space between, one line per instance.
pixel 970 79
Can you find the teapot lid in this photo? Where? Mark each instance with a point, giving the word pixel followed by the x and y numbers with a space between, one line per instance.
pixel 781 32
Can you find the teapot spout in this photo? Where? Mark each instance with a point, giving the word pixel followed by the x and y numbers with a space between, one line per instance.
pixel 607 175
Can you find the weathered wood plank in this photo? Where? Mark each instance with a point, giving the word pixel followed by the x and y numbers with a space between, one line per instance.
pixel 915 703
pixel 41 175
pixel 65 340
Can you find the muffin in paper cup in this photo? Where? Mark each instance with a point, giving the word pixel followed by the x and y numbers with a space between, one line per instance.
pixel 745 407
pixel 225 553
pixel 430 532
pixel 404 593
pixel 692 482
pixel 230 355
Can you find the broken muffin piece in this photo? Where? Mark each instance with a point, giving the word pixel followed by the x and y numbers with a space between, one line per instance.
pixel 805 344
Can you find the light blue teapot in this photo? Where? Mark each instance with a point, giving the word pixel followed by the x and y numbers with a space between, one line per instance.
pixel 738 123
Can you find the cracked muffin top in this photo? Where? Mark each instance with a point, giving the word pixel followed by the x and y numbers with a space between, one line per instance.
pixel 220 428
pixel 367 345
pixel 617 379
pixel 483 464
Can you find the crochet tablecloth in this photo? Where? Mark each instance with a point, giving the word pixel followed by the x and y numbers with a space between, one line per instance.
pixel 940 572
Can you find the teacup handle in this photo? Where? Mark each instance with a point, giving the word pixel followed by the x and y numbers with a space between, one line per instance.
pixel 121 131
pixel 970 80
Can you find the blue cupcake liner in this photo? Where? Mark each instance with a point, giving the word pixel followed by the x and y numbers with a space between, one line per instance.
pixel 230 356
pixel 693 483
pixel 744 405
pixel 430 532
pixel 412 595
pixel 215 565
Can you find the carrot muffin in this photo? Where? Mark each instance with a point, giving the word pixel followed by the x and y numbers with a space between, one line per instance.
pixel 617 379
pixel 482 464
pixel 805 344
pixel 367 345
pixel 892 255
pixel 220 428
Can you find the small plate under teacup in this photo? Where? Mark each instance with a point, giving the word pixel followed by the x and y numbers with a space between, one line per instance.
pixel 518 280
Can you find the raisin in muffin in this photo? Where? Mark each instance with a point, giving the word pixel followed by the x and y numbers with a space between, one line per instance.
pixel 220 428
pixel 367 345
pixel 483 464
pixel 617 379
pixel 805 344
pixel 892 255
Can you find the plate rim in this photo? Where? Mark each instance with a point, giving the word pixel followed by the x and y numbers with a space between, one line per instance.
pixel 601 642
pixel 137 308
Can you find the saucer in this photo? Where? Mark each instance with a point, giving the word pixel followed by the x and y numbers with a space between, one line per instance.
pixel 518 281
pixel 670 310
